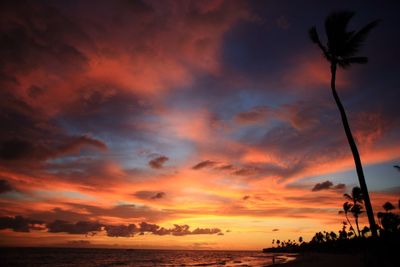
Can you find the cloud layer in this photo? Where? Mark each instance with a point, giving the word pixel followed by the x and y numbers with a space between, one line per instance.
pixel 140 118
pixel 90 228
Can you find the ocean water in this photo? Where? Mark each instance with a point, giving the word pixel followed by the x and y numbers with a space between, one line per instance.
pixel 94 257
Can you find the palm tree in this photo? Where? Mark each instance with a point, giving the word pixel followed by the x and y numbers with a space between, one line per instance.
pixel 388 206
pixel 356 208
pixel 346 209
pixel 340 51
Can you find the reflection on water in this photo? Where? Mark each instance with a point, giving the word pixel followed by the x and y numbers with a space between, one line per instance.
pixel 62 257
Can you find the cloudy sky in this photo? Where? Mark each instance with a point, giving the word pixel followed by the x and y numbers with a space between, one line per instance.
pixel 187 124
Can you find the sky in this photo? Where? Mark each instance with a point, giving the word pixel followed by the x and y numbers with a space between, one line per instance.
pixel 187 124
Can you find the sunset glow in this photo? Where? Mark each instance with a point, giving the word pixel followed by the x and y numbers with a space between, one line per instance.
pixel 125 122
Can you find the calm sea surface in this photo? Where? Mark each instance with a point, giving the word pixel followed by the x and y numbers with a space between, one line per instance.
pixel 93 257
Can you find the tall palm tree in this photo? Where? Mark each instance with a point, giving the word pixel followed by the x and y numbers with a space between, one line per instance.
pixel 340 51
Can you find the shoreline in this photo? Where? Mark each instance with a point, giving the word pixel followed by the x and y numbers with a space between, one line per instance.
pixel 370 258
pixel 315 259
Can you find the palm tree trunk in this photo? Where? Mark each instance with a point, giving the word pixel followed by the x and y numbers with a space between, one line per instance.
pixel 356 155
pixel 351 226
pixel 358 228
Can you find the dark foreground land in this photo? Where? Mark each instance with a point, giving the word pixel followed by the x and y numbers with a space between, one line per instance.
pixel 355 252
pixel 310 259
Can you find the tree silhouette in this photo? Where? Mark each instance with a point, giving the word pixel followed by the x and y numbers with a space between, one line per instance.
pixel 356 208
pixel 388 206
pixel 346 209
pixel 340 51
pixel 390 221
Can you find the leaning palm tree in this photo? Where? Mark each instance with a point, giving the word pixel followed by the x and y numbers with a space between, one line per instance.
pixel 340 51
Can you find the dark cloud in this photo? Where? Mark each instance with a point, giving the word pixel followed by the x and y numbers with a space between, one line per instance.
pixel 28 136
pixel 227 167
pixel 339 187
pixel 158 195
pixel 158 163
pixel 81 227
pixel 204 164
pixel 130 230
pixel 121 230
pixel 322 186
pixel 206 231
pixel 19 224
pixel 109 110
pixel 150 195
pixel 246 197
pixel 255 115
pixel 275 230
pixel 327 185
pixel 42 37
pixel 76 143
pixel 253 170
pixel 246 171
pixel 267 169
pixel 181 230
pixel 177 230
pixel 5 186
pixel 15 149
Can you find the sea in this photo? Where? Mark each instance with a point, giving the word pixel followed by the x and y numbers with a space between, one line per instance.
pixel 95 257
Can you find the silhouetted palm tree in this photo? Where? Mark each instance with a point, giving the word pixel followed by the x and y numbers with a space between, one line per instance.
pixel 356 208
pixel 388 206
pixel 346 209
pixel 340 51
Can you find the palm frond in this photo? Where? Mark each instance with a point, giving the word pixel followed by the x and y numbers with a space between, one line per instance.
pixel 357 39
pixel 315 39
pixel 347 206
pixel 347 196
pixel 347 62
pixel 357 194
pixel 312 32
pixel 388 206
pixel 356 209
pixel 336 30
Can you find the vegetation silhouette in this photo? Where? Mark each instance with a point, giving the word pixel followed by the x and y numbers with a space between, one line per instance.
pixel 346 209
pixel 389 227
pixel 356 208
pixel 340 51
pixel 380 251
